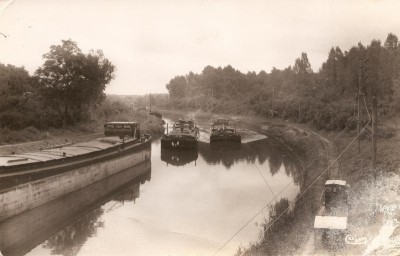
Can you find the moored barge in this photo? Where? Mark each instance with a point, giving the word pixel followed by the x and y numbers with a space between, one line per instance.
pixel 222 130
pixel 54 172
pixel 184 135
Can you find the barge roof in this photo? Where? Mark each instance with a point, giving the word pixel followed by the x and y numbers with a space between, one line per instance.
pixel 61 152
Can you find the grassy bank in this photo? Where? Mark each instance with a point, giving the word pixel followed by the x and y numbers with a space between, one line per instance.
pixel 371 190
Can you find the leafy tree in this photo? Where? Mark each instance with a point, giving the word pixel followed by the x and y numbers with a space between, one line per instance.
pixel 19 106
pixel 72 81
pixel 177 87
pixel 380 80
pixel 304 75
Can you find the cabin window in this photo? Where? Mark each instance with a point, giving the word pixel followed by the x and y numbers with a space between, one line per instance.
pixel 127 126
pixel 110 126
pixel 118 126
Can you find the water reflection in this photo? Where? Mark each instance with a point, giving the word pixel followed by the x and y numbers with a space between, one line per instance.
pixel 178 157
pixel 253 152
pixel 73 218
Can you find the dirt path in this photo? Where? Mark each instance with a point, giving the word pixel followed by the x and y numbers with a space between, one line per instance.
pixel 333 172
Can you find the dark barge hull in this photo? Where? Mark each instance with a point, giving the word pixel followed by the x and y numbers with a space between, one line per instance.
pixel 55 178
pixel 178 143
pixel 225 138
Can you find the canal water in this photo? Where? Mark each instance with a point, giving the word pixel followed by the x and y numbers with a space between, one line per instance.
pixel 185 203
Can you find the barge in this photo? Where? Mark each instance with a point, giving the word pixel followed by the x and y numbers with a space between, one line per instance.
pixel 50 173
pixel 222 130
pixel 184 135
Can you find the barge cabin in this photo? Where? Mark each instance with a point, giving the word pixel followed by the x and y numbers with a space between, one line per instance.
pixel 122 129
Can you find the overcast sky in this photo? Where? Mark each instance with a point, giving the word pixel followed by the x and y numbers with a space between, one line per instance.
pixel 150 42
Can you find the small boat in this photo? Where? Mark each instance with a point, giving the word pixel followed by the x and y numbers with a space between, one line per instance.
pixel 184 135
pixel 31 179
pixel 222 130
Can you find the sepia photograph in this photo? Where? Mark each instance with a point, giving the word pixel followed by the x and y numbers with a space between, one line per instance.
pixel 199 127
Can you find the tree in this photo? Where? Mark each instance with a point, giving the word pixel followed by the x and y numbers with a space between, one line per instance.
pixel 304 75
pixel 72 80
pixel 177 88
pixel 380 76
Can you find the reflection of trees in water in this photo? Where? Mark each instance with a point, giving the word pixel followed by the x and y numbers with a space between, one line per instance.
pixel 290 231
pixel 69 241
pixel 272 237
pixel 252 152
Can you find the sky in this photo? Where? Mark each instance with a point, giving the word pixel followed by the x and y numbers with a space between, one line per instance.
pixel 150 42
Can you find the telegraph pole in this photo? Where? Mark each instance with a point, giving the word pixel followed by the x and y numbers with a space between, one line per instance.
pixel 374 135
pixel 362 75
pixel 359 109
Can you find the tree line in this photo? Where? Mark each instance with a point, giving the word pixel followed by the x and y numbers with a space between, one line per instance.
pixel 325 98
pixel 61 92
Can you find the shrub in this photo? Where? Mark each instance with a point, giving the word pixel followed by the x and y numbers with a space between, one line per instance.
pixel 12 120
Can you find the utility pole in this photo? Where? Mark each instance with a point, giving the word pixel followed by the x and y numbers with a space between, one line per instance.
pixel 362 75
pixel 374 135
pixel 359 107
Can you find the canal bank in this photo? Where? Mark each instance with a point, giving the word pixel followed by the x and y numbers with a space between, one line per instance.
pixel 289 231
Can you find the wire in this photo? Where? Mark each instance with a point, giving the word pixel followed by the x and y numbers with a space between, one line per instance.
pixel 302 194
pixel 365 103
pixel 265 180
pixel 346 126
pixel 265 206
pixel 251 219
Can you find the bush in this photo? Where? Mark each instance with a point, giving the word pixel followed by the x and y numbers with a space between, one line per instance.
pixel 12 120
